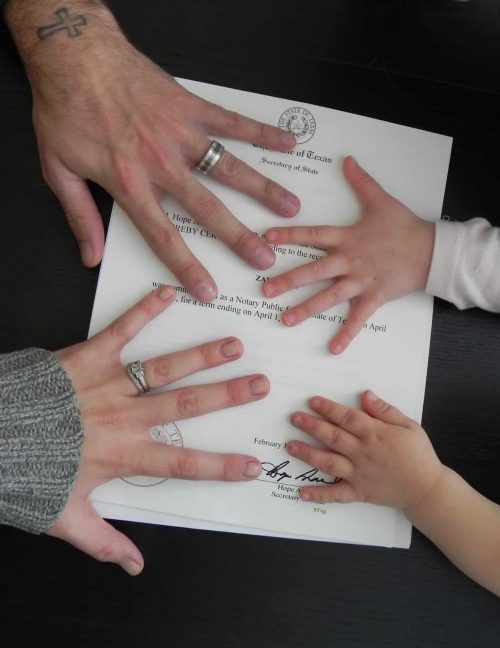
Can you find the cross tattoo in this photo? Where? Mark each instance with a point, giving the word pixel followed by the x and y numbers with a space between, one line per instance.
pixel 67 23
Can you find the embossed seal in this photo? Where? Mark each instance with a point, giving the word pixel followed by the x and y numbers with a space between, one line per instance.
pixel 169 434
pixel 298 121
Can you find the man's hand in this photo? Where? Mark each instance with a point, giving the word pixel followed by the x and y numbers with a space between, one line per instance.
pixel 385 255
pixel 104 112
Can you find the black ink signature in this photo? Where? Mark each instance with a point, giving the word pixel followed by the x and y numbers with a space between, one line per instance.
pixel 277 472
pixel 274 471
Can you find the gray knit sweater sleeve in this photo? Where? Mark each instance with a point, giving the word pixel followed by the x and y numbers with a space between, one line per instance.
pixel 40 439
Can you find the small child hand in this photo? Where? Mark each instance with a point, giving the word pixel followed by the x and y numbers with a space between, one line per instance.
pixel 383 256
pixel 380 455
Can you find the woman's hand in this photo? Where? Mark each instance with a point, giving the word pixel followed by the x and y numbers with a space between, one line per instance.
pixel 105 112
pixel 380 455
pixel 116 422
pixel 385 255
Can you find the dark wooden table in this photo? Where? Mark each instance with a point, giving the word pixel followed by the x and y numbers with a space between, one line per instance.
pixel 431 64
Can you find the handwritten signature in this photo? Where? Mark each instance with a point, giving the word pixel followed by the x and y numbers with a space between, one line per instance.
pixel 278 473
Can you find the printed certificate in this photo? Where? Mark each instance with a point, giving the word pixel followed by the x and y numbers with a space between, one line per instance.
pixel 389 355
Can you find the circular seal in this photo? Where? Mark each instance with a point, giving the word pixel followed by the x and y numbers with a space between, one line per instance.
pixel 298 121
pixel 167 433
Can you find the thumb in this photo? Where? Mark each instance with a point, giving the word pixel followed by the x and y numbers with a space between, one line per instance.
pixel 81 526
pixel 81 213
pixel 379 409
pixel 366 188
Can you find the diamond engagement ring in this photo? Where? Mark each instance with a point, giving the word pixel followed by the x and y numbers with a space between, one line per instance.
pixel 135 372
pixel 211 157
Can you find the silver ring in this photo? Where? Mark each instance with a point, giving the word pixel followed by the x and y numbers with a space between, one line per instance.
pixel 135 372
pixel 211 157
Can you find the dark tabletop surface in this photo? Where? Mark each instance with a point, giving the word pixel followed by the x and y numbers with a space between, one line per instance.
pixel 430 64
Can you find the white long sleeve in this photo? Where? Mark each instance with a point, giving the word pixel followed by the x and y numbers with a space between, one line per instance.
pixel 465 268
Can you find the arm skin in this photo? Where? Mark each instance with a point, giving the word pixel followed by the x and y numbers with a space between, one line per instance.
pixel 102 111
pixel 464 524
pixel 383 457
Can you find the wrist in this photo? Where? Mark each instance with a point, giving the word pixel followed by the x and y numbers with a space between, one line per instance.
pixel 424 237
pixel 418 510
pixel 52 39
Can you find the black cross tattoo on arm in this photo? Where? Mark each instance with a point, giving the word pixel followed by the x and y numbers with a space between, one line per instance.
pixel 67 23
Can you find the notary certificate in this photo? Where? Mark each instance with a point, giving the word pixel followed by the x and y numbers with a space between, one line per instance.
pixel 389 355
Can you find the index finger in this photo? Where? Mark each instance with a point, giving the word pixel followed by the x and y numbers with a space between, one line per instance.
pixel 229 123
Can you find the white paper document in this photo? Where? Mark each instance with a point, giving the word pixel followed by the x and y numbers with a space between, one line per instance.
pixel 389 356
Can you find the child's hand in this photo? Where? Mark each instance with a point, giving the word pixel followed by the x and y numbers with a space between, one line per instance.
pixel 385 255
pixel 380 455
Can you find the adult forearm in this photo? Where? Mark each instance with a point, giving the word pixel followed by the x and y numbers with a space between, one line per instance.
pixel 464 525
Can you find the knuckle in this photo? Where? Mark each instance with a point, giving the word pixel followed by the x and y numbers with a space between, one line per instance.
pixel 206 207
pixel 185 466
pixel 272 191
pixel 162 236
pixel 384 407
pixel 233 392
pixel 162 370
pixel 230 466
pixel 244 240
pixel 348 418
pixel 230 166
pixel 188 403
pixel 333 293
pixel 106 552
pixel 125 178
pixel 234 118
pixel 334 436
pixel 330 466
pixel 119 331
pixel 188 268
pixel 119 462
pixel 315 268
pixel 208 355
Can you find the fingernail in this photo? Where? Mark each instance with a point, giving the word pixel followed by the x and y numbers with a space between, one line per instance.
pixel 296 419
pixel 87 253
pixel 290 205
pixel 259 386
pixel 269 288
pixel 292 448
pixel 251 469
pixel 290 319
pixel 370 396
pixel 271 236
pixel 264 257
pixel 205 292
pixel 166 293
pixel 288 139
pixel 315 403
pixel 305 496
pixel 230 349
pixel 338 348
pixel 131 567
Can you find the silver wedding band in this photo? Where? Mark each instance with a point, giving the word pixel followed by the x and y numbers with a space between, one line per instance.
pixel 135 371
pixel 211 157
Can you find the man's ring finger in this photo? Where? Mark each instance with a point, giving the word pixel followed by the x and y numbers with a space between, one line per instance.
pixel 211 157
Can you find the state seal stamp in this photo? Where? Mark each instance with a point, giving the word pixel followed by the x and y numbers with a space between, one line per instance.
pixel 300 122
pixel 169 434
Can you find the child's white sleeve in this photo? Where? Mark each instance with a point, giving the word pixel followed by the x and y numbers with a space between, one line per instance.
pixel 465 264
